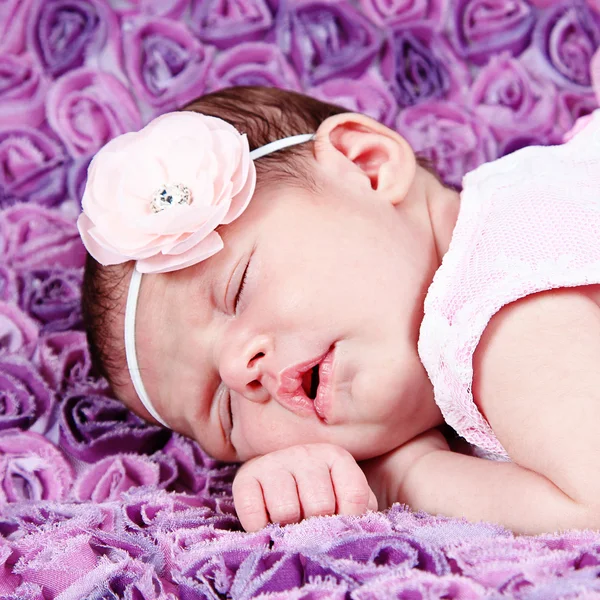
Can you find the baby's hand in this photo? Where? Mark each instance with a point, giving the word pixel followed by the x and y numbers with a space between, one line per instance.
pixel 289 485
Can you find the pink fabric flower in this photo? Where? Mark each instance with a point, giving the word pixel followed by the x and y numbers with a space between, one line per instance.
pixel 210 161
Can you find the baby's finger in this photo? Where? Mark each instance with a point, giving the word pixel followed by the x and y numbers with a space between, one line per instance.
pixel 352 490
pixel 249 502
pixel 315 490
pixel 372 501
pixel 281 497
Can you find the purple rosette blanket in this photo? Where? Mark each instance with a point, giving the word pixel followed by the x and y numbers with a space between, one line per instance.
pixel 96 503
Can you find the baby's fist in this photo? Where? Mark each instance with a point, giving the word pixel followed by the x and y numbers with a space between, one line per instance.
pixel 289 485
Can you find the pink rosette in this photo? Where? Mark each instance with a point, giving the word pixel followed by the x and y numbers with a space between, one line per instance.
pixel 565 39
pixel 514 101
pixel 166 65
pixel 421 65
pixel 13 18
pixel 65 35
pixel 65 362
pixel 253 63
pixel 8 285
pixel 389 13
pixel 32 236
pixel 33 166
pixel 453 138
pixel 205 156
pixel 368 95
pixel 225 23
pixel 31 468
pixel 18 332
pixel 173 9
pixel 110 477
pixel 22 91
pixel 87 108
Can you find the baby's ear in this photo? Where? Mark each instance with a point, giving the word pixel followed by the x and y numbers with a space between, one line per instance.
pixel 352 142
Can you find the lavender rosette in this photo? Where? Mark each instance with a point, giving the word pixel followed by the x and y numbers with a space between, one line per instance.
pixel 87 108
pixel 25 398
pixel 65 35
pixel 31 468
pixel 13 17
pixel 166 65
pixel 109 478
pixel 172 9
pixel 452 137
pixel 516 102
pixel 253 63
pixel 326 39
pixel 65 362
pixel 421 65
pixel 391 13
pixel 480 28
pixel 368 95
pixel 18 332
pixel 225 23
pixel 53 297
pixel 23 88
pixel 33 236
pixel 8 285
pixel 93 427
pixel 34 166
pixel 566 37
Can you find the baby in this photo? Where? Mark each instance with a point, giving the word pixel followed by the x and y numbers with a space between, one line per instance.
pixel 319 307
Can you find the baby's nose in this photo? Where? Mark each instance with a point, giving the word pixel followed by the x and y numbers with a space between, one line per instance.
pixel 242 368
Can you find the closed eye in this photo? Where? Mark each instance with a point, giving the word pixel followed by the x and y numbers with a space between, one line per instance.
pixel 241 288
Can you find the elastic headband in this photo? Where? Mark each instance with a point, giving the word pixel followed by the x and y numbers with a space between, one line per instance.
pixel 136 280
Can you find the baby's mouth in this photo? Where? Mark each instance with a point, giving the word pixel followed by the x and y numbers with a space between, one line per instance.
pixel 310 382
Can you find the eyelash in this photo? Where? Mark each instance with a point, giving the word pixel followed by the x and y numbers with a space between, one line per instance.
pixel 241 288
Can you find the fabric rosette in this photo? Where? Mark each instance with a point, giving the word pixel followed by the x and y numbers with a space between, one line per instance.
pixel 65 35
pixel 226 23
pixel 94 426
pixel 22 91
pixel 33 166
pixel 18 332
pixel 86 108
pixel 368 95
pixel 32 236
pixel 390 13
pixel 65 362
pixel 514 101
pixel 8 285
pixel 566 37
pixel 253 63
pixel 479 28
pixel 166 65
pixel 326 39
pixel 25 399
pixel 109 478
pixel 173 9
pixel 453 138
pixel 156 196
pixel 31 468
pixel 421 65
pixel 13 22
pixel 52 297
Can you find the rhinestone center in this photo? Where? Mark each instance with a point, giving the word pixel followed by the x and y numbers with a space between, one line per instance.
pixel 170 194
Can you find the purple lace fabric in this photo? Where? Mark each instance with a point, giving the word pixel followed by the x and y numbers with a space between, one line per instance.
pixel 95 503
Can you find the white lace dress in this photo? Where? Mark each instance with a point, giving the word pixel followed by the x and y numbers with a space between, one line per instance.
pixel 528 222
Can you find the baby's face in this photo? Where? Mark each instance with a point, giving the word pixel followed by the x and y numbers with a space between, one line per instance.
pixel 320 345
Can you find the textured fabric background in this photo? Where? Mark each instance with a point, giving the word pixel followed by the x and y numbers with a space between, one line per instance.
pixel 94 503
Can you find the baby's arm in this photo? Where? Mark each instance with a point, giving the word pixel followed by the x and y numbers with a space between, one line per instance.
pixel 538 385
pixel 425 474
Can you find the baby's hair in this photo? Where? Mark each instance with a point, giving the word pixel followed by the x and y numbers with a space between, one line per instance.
pixel 264 115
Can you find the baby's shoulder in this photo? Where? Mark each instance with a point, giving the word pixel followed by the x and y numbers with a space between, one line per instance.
pixel 529 342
